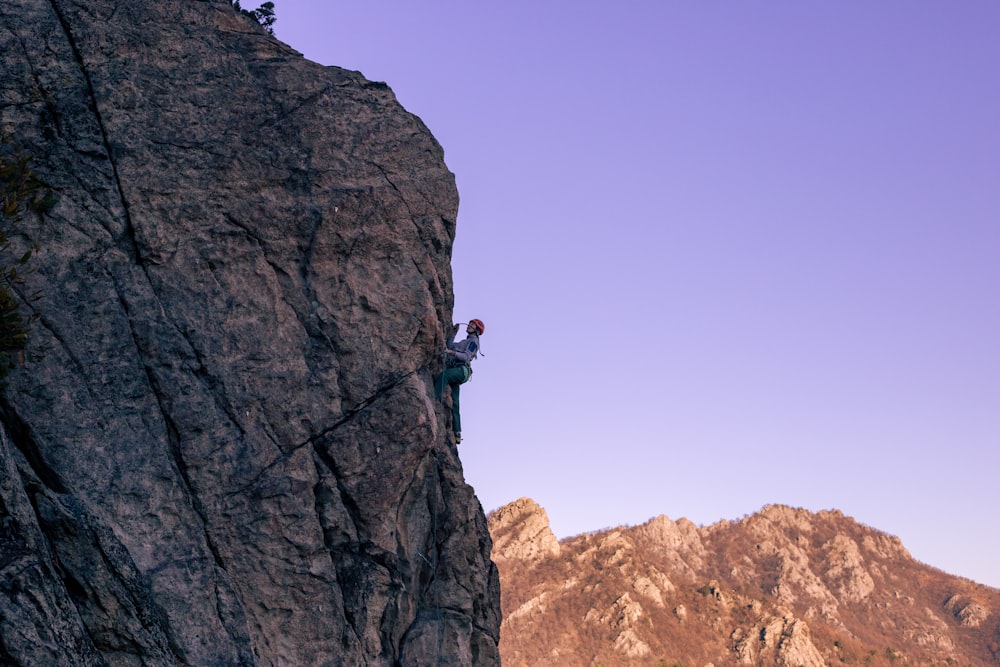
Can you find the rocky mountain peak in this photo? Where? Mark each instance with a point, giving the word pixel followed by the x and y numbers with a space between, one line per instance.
pixel 520 531
pixel 784 586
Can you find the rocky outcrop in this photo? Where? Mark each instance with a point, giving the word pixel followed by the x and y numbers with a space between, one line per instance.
pixel 968 613
pixel 228 452
pixel 520 531
pixel 778 641
pixel 783 587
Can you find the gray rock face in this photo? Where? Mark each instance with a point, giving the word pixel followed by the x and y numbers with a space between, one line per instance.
pixel 229 453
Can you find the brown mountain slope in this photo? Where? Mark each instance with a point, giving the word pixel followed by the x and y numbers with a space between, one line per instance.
pixel 784 586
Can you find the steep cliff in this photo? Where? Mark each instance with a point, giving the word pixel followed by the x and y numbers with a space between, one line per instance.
pixel 783 587
pixel 228 452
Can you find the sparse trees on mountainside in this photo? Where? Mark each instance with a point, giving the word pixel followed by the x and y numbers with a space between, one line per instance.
pixel 264 15
pixel 782 587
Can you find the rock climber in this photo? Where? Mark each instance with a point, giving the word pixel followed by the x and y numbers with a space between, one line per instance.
pixel 458 368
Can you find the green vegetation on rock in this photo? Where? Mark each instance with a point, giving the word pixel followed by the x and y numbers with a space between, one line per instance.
pixel 264 15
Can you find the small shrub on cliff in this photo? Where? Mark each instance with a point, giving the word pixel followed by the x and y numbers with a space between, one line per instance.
pixel 20 192
pixel 263 15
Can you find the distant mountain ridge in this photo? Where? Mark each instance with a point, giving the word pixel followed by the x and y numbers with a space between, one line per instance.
pixel 783 586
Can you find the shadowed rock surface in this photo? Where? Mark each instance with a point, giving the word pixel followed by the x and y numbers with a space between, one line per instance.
pixel 229 453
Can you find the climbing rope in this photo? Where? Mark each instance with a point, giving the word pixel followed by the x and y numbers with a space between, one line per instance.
pixel 437 593
pixel 436 597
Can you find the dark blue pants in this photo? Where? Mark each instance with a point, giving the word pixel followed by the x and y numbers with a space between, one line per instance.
pixel 453 377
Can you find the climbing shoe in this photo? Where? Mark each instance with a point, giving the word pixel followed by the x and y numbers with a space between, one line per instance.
pixel 458 438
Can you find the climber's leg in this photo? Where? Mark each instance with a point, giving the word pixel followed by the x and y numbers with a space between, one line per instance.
pixel 456 419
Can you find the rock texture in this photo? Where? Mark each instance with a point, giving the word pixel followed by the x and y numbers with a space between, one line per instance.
pixel 784 587
pixel 520 531
pixel 228 452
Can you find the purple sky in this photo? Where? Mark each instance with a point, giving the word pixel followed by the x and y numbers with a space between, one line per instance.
pixel 728 254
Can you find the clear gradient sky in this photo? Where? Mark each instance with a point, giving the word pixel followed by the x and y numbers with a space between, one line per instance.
pixel 728 253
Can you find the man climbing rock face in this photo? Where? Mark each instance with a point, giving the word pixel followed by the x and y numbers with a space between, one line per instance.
pixel 458 368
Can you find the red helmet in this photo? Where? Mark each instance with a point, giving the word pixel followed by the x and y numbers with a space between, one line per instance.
pixel 480 327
